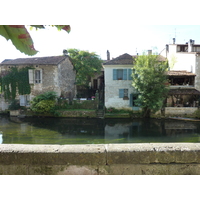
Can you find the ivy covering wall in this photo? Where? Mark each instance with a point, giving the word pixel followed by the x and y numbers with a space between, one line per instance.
pixel 15 81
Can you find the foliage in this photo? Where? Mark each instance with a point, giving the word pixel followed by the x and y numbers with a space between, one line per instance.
pixel 86 65
pixel 44 103
pixel 14 105
pixel 15 80
pixel 197 114
pixel 43 106
pixel 21 38
pixel 149 80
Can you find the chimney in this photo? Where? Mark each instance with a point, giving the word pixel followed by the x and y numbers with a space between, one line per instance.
pixel 65 52
pixel 174 40
pixel 108 55
pixel 190 45
pixel 149 52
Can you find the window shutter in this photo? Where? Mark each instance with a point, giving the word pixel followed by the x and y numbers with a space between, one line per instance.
pixel 124 74
pixel 121 93
pixel 41 76
pixel 114 74
pixel 131 100
pixel 130 74
pixel 22 101
pixel 30 76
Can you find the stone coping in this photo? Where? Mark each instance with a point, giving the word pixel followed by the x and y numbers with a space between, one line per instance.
pixel 100 154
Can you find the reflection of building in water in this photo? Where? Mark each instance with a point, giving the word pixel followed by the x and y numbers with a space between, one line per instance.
pixel 1 138
pixel 176 127
pixel 124 130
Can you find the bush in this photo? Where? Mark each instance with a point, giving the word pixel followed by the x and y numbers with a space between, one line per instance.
pixel 44 106
pixel 197 113
pixel 14 105
pixel 44 103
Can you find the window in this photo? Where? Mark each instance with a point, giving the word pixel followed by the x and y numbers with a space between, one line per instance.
pixel 35 76
pixel 122 74
pixel 123 93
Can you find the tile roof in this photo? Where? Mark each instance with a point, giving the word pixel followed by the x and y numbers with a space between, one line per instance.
pixel 127 59
pixel 53 60
pixel 124 59
pixel 180 73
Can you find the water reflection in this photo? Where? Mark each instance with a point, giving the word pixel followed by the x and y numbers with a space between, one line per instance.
pixel 86 131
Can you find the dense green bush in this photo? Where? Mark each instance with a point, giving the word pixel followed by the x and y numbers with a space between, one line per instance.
pixel 44 106
pixel 14 105
pixel 197 113
pixel 44 103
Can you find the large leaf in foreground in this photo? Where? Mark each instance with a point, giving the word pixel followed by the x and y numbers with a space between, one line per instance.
pixel 21 38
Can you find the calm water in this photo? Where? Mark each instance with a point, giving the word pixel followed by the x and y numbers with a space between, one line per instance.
pixel 95 131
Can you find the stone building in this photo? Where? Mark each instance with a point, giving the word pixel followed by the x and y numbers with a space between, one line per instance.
pixel 55 73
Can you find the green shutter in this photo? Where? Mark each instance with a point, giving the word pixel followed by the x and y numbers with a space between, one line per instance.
pixel 131 100
pixel 130 74
pixel 124 74
pixel 121 93
pixel 114 74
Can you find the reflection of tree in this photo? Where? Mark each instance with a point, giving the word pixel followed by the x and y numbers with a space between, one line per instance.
pixel 61 130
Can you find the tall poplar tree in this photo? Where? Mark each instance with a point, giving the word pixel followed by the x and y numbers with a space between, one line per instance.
pixel 149 79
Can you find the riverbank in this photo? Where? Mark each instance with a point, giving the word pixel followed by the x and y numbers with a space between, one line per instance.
pixel 89 113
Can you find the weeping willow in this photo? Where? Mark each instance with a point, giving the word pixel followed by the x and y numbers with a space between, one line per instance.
pixel 16 81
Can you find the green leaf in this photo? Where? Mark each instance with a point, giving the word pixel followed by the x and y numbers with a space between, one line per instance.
pixel 20 38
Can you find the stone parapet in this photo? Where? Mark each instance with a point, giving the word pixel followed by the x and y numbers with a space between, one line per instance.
pixel 101 159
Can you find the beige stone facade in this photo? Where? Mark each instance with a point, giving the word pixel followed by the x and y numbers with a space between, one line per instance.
pixel 54 73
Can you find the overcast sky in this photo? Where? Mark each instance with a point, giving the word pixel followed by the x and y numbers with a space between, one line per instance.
pixel 98 26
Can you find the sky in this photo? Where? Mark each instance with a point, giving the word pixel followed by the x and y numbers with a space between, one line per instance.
pixel 97 26
pixel 131 39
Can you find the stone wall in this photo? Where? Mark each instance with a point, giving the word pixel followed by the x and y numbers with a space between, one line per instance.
pixel 101 159
pixel 180 111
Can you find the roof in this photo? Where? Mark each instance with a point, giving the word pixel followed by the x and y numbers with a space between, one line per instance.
pixel 127 59
pixel 183 92
pixel 124 59
pixel 180 73
pixel 53 60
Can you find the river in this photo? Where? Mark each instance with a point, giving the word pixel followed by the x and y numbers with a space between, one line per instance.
pixel 15 130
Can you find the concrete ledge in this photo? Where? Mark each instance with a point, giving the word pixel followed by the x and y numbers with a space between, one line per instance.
pixel 149 158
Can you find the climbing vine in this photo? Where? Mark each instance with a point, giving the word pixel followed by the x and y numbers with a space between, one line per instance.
pixel 15 81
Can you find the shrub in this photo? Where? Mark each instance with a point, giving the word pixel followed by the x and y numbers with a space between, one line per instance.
pixel 44 103
pixel 14 105
pixel 197 113
pixel 44 106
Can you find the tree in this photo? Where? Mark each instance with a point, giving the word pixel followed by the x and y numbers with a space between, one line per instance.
pixel 86 65
pixel 149 79
pixel 21 38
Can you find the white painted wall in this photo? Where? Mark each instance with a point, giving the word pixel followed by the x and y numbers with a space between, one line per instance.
pixel 112 88
pixel 184 60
